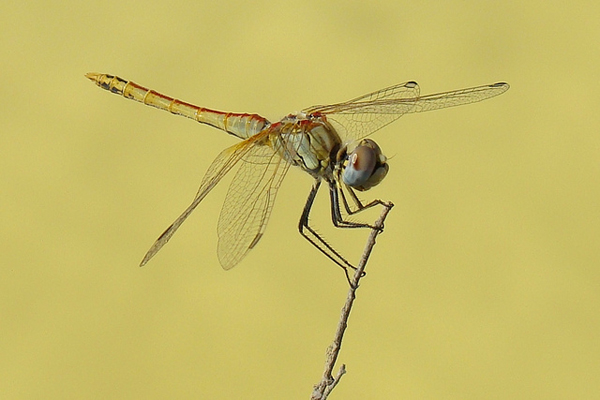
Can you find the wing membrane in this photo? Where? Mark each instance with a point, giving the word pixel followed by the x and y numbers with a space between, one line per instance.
pixel 248 204
pixel 364 115
pixel 219 167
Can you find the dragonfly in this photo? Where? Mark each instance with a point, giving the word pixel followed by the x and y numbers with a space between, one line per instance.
pixel 329 142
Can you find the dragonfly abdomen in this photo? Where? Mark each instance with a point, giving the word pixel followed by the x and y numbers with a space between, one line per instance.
pixel 238 124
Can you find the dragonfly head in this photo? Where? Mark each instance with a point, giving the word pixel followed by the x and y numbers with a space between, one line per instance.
pixel 365 165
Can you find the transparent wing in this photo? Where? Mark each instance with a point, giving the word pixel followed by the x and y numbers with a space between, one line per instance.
pixel 364 115
pixel 248 204
pixel 219 167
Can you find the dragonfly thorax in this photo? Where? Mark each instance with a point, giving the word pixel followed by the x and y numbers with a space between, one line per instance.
pixel 309 142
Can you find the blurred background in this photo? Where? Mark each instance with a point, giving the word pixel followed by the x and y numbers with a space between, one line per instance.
pixel 485 283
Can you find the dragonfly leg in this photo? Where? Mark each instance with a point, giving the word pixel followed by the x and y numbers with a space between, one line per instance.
pixel 317 240
pixel 359 206
pixel 335 192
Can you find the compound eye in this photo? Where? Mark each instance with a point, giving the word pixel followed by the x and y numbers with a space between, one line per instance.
pixel 366 166
pixel 359 169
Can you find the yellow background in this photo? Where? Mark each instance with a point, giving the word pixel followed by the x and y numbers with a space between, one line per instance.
pixel 485 283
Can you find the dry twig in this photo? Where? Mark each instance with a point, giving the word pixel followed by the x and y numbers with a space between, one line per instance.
pixel 328 382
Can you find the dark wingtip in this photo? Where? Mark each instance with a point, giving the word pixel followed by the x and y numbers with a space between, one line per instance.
pixel 501 84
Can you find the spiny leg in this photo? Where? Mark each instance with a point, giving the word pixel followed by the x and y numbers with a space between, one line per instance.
pixel 315 239
pixel 359 206
pixel 335 192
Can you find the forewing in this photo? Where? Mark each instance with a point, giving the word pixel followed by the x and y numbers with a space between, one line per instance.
pixel 458 97
pixel 248 203
pixel 364 115
pixel 219 167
